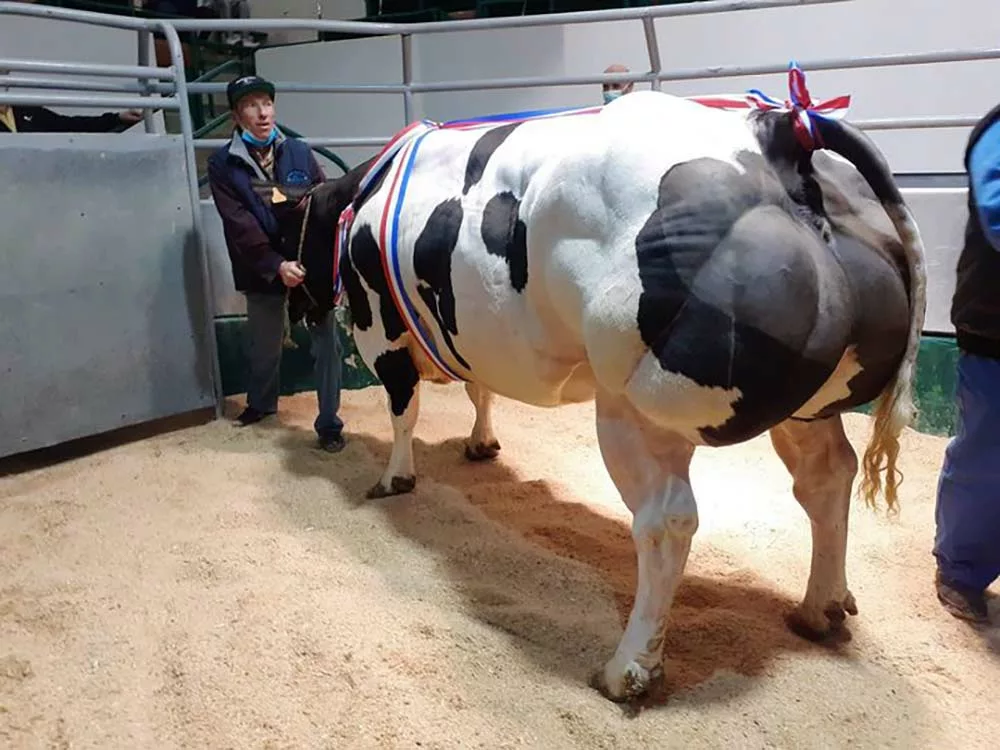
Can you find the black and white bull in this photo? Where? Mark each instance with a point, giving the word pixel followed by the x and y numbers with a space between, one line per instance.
pixel 700 274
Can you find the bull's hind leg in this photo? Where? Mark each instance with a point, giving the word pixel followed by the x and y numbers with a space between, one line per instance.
pixel 823 465
pixel 483 444
pixel 650 469
pixel 399 377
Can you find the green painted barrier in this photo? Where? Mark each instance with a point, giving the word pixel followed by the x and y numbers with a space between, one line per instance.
pixel 296 364
pixel 934 387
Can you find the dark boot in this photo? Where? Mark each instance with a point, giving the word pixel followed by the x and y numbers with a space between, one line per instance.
pixel 962 601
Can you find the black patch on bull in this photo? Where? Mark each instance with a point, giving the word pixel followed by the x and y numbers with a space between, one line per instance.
pixel 505 236
pixel 481 152
pixel 756 277
pixel 367 261
pixel 399 377
pixel 432 264
pixel 361 199
pixel 361 311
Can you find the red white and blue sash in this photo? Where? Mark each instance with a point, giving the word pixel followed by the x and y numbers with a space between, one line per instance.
pixel 404 147
pixel 800 104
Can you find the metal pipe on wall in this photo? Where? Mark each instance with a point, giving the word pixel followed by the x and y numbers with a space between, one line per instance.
pixel 213 143
pixel 143 39
pixel 834 63
pixel 407 51
pixel 187 133
pixel 95 102
pixel 653 48
pixel 88 69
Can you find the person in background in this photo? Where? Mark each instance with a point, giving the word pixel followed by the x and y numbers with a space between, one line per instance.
pixel 612 91
pixel 262 266
pixel 15 118
pixel 967 543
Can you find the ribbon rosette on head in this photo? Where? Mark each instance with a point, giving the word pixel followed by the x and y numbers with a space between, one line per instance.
pixel 804 111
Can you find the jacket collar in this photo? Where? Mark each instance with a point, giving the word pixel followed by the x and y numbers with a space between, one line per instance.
pixel 238 148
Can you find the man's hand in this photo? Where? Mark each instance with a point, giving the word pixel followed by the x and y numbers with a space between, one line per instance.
pixel 292 273
pixel 130 116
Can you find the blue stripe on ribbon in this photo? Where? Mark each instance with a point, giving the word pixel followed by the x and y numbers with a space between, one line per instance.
pixel 393 250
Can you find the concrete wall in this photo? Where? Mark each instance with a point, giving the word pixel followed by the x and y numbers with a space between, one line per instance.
pixel 112 333
pixel 331 10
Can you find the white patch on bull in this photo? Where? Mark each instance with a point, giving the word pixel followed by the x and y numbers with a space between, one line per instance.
pixel 677 403
pixel 836 388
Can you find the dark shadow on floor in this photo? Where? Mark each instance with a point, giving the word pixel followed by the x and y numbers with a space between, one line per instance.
pixel 497 536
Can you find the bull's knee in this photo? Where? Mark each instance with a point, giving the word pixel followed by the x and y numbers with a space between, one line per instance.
pixel 682 525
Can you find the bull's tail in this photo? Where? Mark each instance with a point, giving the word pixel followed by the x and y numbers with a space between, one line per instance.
pixel 894 408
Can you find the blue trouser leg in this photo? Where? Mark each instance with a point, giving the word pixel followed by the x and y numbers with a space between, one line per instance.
pixel 266 328
pixel 327 356
pixel 967 545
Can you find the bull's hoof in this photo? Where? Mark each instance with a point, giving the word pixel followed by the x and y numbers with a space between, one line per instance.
pixel 398 486
pixel 482 451
pixel 824 626
pixel 631 685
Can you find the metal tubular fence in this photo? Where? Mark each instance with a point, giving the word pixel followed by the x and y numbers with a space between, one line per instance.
pixel 173 89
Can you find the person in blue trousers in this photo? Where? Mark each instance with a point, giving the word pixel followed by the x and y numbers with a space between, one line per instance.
pixel 263 265
pixel 967 543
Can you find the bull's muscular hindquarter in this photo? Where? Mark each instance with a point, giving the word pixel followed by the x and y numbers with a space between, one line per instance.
pixel 726 360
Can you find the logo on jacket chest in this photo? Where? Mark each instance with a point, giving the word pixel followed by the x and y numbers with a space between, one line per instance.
pixel 297 177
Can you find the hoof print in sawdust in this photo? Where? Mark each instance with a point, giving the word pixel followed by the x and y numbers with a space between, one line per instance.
pixel 15 669
pixel 482 451
pixel 399 486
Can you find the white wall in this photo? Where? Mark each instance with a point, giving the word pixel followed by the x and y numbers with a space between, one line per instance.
pixel 861 27
pixel 330 10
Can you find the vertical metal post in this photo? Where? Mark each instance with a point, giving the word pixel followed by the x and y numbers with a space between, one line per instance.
pixel 187 134
pixel 143 59
pixel 407 41
pixel 653 48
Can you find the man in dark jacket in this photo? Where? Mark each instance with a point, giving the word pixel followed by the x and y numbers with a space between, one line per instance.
pixel 263 263
pixel 17 119
pixel 25 119
pixel 967 546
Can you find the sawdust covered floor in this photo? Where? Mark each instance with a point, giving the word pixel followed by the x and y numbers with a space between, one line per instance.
pixel 224 588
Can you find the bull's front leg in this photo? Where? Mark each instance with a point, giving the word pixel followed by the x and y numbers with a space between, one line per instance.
pixel 399 377
pixel 649 466
pixel 483 444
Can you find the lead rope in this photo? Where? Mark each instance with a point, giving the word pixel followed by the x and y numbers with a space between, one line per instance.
pixel 287 341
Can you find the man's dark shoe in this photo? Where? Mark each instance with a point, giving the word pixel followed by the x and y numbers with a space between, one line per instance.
pixel 961 601
pixel 332 443
pixel 250 416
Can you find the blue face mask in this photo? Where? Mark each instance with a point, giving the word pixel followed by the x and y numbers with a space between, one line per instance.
pixel 610 96
pixel 249 138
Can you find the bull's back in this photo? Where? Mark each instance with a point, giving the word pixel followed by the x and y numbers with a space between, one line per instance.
pixel 448 217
